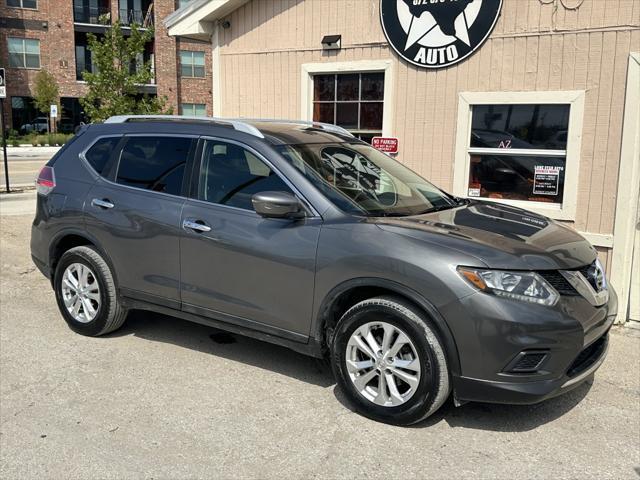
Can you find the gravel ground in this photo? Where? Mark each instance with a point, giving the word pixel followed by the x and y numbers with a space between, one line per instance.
pixel 163 398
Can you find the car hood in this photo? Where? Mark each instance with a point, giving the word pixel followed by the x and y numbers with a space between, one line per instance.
pixel 500 236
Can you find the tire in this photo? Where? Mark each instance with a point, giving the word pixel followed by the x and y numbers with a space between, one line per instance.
pixel 109 314
pixel 424 350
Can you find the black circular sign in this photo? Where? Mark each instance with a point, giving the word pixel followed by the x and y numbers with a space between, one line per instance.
pixel 437 33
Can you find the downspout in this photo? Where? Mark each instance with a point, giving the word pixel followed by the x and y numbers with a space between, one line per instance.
pixel 216 87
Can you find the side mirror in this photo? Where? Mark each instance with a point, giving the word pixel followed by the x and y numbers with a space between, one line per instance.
pixel 277 205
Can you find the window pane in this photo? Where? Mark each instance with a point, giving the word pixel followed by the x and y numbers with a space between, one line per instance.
pixel 348 87
pixel 368 137
pixel 32 46
pixel 187 108
pixel 520 126
pixel 30 3
pixel 347 115
pixel 198 58
pixel 186 71
pixel 532 178
pixel 16 60
pixel 16 45
pixel 98 155
pixel 198 71
pixel 324 88
pixel 372 86
pixel 371 116
pixel 13 3
pixel 33 61
pixel 323 112
pixel 186 58
pixel 200 110
pixel 230 175
pixel 154 163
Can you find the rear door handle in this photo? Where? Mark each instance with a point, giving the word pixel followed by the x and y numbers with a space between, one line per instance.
pixel 96 202
pixel 197 225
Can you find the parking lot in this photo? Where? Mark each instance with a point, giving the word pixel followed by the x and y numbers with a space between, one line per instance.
pixel 163 398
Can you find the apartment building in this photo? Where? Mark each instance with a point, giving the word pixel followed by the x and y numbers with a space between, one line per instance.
pixel 52 35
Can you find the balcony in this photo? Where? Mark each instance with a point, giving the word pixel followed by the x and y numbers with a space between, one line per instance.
pixel 91 12
pixel 136 12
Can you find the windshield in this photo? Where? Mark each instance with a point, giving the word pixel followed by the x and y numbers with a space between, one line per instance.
pixel 361 180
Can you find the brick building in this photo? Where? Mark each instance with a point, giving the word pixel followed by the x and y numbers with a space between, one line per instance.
pixel 52 35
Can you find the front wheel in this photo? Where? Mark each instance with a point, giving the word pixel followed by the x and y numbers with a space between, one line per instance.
pixel 389 362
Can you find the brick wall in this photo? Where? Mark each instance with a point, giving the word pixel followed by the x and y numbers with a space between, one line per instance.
pixel 196 90
pixel 52 23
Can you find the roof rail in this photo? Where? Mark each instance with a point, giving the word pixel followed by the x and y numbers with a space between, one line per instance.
pixel 237 124
pixel 329 127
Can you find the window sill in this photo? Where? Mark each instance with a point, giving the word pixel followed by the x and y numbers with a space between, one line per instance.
pixel 26 68
pixel 555 211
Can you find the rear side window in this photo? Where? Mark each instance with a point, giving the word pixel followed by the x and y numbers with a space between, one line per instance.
pixel 98 155
pixel 154 163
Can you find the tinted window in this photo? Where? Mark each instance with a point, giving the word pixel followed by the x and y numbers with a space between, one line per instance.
pixel 231 175
pixel 154 163
pixel 98 155
pixel 520 126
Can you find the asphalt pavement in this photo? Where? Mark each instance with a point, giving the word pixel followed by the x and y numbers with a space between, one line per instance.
pixel 166 399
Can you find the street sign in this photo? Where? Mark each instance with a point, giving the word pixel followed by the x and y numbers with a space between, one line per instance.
pixel 54 111
pixel 3 84
pixel 385 144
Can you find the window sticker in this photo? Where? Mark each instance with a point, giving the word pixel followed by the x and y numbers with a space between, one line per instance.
pixel 474 192
pixel 546 180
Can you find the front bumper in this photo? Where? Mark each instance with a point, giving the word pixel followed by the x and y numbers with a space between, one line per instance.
pixel 491 332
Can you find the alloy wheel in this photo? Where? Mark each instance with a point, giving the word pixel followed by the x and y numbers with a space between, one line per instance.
pixel 383 364
pixel 80 292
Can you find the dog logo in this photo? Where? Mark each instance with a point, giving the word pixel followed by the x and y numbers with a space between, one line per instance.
pixel 437 33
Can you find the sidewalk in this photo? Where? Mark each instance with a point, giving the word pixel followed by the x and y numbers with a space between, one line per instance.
pixel 23 203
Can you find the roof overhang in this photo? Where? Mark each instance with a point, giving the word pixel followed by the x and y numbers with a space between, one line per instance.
pixel 197 19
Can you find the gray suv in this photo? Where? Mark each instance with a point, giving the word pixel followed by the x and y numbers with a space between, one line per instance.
pixel 302 235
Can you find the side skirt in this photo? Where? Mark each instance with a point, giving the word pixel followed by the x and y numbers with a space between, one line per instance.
pixel 311 347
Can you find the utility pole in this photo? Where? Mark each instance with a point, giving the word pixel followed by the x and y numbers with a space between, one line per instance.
pixel 3 95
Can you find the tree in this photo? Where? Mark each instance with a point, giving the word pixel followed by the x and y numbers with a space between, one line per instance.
pixel 45 91
pixel 118 72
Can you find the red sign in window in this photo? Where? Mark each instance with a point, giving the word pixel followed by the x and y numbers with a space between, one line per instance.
pixel 385 144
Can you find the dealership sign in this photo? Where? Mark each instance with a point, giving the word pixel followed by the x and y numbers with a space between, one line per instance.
pixel 385 144
pixel 437 33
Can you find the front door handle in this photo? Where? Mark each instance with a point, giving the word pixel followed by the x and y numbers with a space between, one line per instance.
pixel 197 225
pixel 96 202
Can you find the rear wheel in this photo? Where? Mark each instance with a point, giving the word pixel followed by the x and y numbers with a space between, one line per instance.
pixel 389 361
pixel 86 293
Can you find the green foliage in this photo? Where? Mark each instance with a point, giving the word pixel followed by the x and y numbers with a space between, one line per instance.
pixel 45 92
pixel 14 142
pixel 118 73
pixel 51 139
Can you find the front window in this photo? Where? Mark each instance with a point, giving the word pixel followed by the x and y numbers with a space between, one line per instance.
pixel 361 180
pixel 191 63
pixel 518 152
pixel 353 101
pixel 194 109
pixel 24 52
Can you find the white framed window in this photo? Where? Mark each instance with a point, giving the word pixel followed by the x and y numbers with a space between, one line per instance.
pixel 191 63
pixel 24 52
pixel 194 109
pixel 355 95
pixel 520 148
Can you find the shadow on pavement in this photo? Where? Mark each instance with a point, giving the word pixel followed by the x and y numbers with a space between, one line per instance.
pixel 162 328
pixel 493 417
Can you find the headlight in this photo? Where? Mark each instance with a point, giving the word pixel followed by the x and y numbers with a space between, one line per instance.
pixel 526 286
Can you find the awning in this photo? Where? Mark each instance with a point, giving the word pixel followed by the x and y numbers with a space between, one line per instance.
pixel 196 19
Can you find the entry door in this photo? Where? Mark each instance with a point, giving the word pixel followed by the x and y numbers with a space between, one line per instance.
pixel 136 219
pixel 236 265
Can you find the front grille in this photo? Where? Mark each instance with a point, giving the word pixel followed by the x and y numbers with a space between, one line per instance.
pixel 528 362
pixel 588 356
pixel 557 281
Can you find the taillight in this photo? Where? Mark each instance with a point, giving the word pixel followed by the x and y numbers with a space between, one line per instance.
pixel 46 181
